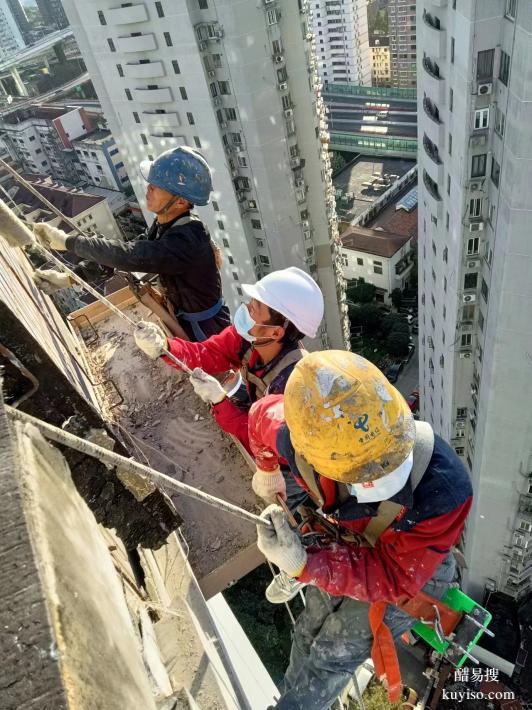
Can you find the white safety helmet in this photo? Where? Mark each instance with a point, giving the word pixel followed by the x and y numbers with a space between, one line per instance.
pixel 292 293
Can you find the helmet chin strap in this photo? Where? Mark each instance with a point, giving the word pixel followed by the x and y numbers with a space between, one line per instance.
pixel 167 206
pixel 263 342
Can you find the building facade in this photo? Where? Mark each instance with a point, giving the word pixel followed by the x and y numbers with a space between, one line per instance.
pixel 52 13
pixel 11 40
pixel 20 17
pixel 240 84
pixel 379 47
pixel 475 166
pixel 342 46
pixel 100 161
pixel 41 138
pixel 402 27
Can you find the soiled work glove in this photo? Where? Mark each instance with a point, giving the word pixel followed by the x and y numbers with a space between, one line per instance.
pixel 150 339
pixel 206 386
pixel 267 484
pixel 50 281
pixel 279 543
pixel 51 237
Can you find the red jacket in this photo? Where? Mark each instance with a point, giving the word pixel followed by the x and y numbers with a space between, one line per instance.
pixel 408 553
pixel 221 352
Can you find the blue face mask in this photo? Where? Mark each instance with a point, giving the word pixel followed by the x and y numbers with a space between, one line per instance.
pixel 243 323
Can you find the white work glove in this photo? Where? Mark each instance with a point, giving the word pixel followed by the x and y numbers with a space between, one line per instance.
pixel 279 543
pixel 50 280
pixel 150 339
pixel 206 386
pixel 267 484
pixel 51 237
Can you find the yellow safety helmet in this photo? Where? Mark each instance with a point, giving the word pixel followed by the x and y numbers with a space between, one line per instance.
pixel 345 418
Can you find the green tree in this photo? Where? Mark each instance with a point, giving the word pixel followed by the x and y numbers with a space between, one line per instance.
pixel 396 297
pixel 361 292
pixel 412 278
pixel 397 343
pixel 337 161
pixel 367 315
pixel 394 321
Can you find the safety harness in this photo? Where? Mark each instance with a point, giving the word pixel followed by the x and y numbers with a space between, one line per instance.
pixel 422 605
pixel 261 384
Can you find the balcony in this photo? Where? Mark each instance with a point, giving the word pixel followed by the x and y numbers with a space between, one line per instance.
pixel 403 265
pixel 127 15
pixel 432 21
pixel 153 96
pixel 431 110
pixel 158 121
pixel 149 70
pixel 139 43
pixel 432 68
pixel 431 186
pixel 431 150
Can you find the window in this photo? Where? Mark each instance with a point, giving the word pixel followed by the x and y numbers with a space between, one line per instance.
pixel 159 8
pixel 183 93
pixel 136 117
pixel 256 224
pixel 445 254
pixel 236 138
pixel 451 100
pixel 168 39
pixel 264 259
pixel 32 138
pixel 495 172
pixel 461 412
pixel 197 142
pixel 482 118
pixel 143 139
pixel 511 9
pixel 44 163
pixel 465 340
pixel 484 290
pixel 377 267
pixel 470 281
pixel 101 17
pixel 223 87
pixel 242 161
pixel 500 121
pixel 447 221
pixel 111 44
pixel 504 68
pixel 450 144
pixel 452 50
pixel 216 60
pixel 119 70
pixel 271 17
pixel 128 95
pixel 190 118
pixel 222 226
pixel 485 64
pixel 214 92
pixel 475 207
pixel 175 66
pixel 360 261
pixel 459 450
pixel 114 151
pixel 473 246
pixel 230 114
pixel 481 320
pixel 478 165
pixel 445 284
pixel 235 276
pixel 448 185
pixel 203 5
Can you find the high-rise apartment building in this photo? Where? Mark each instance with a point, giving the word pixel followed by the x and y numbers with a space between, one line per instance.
pixel 475 254
pixel 11 40
pixel 342 46
pixel 402 28
pixel 379 47
pixel 238 82
pixel 19 13
pixel 52 13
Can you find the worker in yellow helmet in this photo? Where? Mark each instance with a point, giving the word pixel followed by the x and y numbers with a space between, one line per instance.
pixel 394 499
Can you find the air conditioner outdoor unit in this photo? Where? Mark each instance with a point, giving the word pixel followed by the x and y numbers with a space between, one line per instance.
pixel 211 73
pixel 295 162
pixel 472 264
pixel 307 234
pixel 475 186
pixel 460 425
pixel 476 227
pixel 485 89
pixel 305 224
pixel 217 101
pixel 469 298
pixel 234 172
pixel 219 34
pixel 252 205
pixel 279 59
pixel 465 356
pixel 289 113
pixel 283 86
pixel 300 183
pixel 223 125
pixel 203 46
pixel 269 2
pixel 474 390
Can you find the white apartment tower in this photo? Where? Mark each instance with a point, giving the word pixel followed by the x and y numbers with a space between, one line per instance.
pixel 11 40
pixel 475 166
pixel 342 42
pixel 402 29
pixel 239 82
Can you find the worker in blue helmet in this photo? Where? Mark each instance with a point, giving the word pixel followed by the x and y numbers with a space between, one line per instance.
pixel 177 246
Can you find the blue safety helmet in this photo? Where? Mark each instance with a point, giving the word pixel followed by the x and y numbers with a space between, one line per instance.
pixel 182 171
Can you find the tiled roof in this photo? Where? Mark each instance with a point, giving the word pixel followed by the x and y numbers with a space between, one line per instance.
pixel 71 202
pixel 373 241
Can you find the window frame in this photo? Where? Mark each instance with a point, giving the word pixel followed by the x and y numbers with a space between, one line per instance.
pixel 481 119
pixel 481 159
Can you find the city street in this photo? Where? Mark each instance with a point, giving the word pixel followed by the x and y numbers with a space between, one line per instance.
pixel 408 379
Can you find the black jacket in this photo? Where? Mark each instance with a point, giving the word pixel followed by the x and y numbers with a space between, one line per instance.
pixel 181 255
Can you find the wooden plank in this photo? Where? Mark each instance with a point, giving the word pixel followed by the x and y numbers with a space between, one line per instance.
pixel 231 571
pixel 97 311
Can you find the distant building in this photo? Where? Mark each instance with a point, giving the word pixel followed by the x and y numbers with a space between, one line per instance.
pixel 41 138
pixel 90 212
pixel 100 160
pixel 402 26
pixel 11 39
pixel 52 13
pixel 380 60
pixel 19 14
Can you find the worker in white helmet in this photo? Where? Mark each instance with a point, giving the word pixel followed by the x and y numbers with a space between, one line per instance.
pixel 263 344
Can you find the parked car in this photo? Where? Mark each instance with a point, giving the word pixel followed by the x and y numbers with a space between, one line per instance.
pixel 407 357
pixel 413 401
pixel 393 370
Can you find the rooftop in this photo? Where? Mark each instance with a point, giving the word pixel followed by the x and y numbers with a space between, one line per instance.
pixel 379 41
pixel 70 201
pixel 395 219
pixel 99 135
pixel 373 241
pixel 48 113
pixel 357 177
